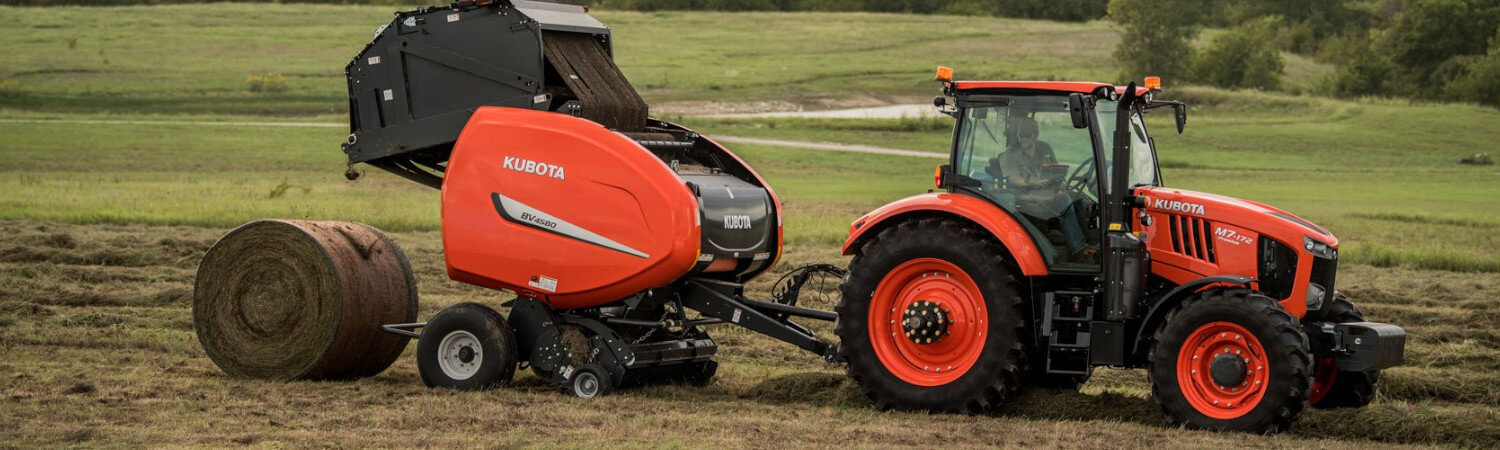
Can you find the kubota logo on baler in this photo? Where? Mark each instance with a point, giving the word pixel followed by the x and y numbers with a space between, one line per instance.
pixel 532 167
pixel 1173 205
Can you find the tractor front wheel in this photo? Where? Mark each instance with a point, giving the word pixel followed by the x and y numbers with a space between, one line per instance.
pixel 929 319
pixel 1231 359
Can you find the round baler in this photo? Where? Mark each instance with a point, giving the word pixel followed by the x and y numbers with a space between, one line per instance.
pixel 623 236
pixel 610 227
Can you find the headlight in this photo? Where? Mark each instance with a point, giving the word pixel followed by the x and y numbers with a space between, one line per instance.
pixel 1315 295
pixel 1318 249
pixel 1277 268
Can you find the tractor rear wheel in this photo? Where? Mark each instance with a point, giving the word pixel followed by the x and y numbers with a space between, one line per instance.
pixel 1231 359
pixel 467 347
pixel 929 319
pixel 1334 388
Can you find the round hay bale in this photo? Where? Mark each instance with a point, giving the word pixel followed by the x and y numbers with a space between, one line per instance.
pixel 289 299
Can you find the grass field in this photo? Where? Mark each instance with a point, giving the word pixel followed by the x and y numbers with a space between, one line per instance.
pixel 194 59
pixel 102 226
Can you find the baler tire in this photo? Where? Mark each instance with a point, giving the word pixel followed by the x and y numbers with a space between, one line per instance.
pixel 488 337
pixel 1348 389
pixel 303 300
pixel 1266 328
pixel 994 376
pixel 589 380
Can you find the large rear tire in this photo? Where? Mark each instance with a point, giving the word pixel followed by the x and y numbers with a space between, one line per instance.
pixel 1333 388
pixel 929 319
pixel 1231 359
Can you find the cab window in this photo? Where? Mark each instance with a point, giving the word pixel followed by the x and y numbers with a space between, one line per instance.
pixel 1030 161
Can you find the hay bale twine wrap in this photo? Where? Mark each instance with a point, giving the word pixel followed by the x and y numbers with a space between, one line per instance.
pixel 289 299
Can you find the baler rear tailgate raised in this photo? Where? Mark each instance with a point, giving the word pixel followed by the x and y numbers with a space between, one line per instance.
pixel 414 86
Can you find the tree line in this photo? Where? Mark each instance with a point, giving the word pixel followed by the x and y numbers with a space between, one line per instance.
pixel 1425 49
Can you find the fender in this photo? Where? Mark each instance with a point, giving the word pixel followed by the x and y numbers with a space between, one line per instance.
pixel 1175 297
pixel 996 221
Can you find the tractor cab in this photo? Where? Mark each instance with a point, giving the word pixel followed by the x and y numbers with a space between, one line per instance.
pixel 1037 149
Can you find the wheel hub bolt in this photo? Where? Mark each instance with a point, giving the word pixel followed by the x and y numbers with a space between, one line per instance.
pixel 925 322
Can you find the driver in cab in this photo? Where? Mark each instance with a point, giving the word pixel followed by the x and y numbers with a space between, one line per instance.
pixel 1024 167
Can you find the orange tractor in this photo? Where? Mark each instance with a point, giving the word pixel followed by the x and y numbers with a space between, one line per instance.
pixel 1053 247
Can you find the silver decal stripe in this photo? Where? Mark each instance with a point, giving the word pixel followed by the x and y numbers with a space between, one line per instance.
pixel 518 212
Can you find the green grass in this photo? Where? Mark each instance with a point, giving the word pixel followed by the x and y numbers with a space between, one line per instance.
pixel 194 59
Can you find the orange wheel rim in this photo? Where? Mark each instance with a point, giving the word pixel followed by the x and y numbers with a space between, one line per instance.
pixel 1323 377
pixel 1204 372
pixel 950 350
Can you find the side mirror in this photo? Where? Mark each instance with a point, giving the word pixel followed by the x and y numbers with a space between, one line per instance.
pixel 1078 107
pixel 941 103
pixel 1180 110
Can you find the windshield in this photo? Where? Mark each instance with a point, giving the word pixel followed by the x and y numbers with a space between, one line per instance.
pixel 1142 156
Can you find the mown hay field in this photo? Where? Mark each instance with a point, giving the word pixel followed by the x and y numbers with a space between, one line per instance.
pixel 102 226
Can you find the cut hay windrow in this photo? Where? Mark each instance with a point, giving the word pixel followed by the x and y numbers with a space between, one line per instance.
pixel 286 299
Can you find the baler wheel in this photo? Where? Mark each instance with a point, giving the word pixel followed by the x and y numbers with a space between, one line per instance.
pixel 467 347
pixel 929 319
pixel 589 381
pixel 291 299
pixel 1231 359
pixel 1334 388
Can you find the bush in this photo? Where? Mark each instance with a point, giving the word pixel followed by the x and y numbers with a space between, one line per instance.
pixel 1478 80
pixel 1243 57
pixel 1481 84
pixel 268 82
pixel 1157 36
pixel 1364 71
pixel 1478 159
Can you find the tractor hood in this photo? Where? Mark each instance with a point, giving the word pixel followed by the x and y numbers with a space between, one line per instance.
pixel 1195 234
pixel 1243 214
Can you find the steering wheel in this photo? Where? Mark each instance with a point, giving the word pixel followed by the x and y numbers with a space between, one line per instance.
pixel 1078 181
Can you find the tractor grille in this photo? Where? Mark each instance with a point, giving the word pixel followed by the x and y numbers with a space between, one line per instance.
pixel 1323 273
pixel 1191 237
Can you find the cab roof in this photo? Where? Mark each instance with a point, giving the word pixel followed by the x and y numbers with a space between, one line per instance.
pixel 1085 87
pixel 1059 86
